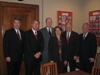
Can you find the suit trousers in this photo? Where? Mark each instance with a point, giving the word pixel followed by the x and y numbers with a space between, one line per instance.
pixel 13 68
pixel 86 65
pixel 31 67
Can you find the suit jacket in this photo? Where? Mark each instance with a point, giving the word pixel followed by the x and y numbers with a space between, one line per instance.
pixel 53 48
pixel 46 38
pixel 12 46
pixel 32 46
pixel 88 46
pixel 73 45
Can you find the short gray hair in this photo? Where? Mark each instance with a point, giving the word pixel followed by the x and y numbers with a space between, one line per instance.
pixel 68 23
pixel 86 24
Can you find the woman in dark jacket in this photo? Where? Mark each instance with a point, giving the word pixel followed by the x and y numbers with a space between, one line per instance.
pixel 57 50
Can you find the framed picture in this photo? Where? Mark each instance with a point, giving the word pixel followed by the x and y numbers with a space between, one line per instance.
pixel 94 21
pixel 63 17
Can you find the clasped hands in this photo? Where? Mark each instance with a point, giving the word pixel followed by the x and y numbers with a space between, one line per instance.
pixel 37 55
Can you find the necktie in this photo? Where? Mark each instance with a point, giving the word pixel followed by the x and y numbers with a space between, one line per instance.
pixel 68 37
pixel 35 35
pixel 49 32
pixel 84 36
pixel 18 35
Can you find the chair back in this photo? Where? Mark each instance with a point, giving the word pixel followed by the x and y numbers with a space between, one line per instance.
pixel 49 69
pixel 96 70
pixel 97 60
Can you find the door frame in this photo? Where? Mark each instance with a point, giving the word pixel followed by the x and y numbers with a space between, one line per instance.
pixel 2 6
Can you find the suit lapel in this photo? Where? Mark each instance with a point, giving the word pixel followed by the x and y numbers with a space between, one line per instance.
pixel 32 34
pixel 56 41
pixel 52 31
pixel 46 32
pixel 15 34
pixel 71 36
pixel 81 37
pixel 86 37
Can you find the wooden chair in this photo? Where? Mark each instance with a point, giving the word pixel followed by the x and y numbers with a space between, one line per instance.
pixel 49 69
pixel 96 70
pixel 97 60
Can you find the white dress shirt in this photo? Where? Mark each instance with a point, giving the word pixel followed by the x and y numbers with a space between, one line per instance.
pixel 85 35
pixel 48 29
pixel 34 31
pixel 18 31
pixel 68 34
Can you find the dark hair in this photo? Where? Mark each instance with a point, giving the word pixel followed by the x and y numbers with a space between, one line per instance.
pixel 36 20
pixel 18 19
pixel 58 28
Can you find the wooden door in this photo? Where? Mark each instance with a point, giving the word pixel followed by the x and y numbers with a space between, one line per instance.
pixel 9 11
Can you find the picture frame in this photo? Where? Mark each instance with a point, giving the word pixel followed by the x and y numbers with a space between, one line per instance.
pixel 94 21
pixel 63 17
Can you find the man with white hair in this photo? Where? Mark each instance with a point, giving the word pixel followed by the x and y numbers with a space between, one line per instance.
pixel 88 48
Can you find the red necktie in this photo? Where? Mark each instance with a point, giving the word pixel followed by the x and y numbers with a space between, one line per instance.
pixel 18 35
pixel 68 37
pixel 36 35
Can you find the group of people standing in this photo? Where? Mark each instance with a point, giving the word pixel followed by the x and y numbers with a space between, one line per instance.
pixel 48 44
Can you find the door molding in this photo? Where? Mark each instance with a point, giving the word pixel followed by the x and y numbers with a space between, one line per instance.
pixel 4 5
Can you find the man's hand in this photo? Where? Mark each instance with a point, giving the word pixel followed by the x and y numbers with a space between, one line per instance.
pixel 91 59
pixel 65 62
pixel 37 55
pixel 8 59
pixel 75 57
pixel 78 57
pixel 51 61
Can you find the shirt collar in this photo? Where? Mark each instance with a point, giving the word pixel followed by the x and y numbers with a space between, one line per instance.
pixel 17 30
pixel 34 30
pixel 68 32
pixel 49 28
pixel 85 34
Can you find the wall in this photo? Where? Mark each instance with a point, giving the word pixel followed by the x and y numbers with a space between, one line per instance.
pixel 90 5
pixel 49 8
pixel 52 6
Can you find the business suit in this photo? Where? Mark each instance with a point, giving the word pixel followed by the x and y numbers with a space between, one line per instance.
pixel 87 49
pixel 13 48
pixel 46 37
pixel 72 49
pixel 32 46
pixel 54 55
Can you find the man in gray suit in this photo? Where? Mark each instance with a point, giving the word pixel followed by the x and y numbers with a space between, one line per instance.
pixel 47 32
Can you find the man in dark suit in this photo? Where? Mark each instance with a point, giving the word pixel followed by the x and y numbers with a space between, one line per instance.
pixel 13 47
pixel 88 48
pixel 72 44
pixel 34 45
pixel 47 32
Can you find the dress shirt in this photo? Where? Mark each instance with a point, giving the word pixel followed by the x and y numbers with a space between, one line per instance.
pixel 18 31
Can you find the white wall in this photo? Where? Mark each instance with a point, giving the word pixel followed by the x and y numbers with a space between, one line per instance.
pixel 52 6
pixel 90 5
pixel 49 8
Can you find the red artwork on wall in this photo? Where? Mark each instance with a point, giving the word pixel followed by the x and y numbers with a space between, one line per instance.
pixel 63 17
pixel 94 21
